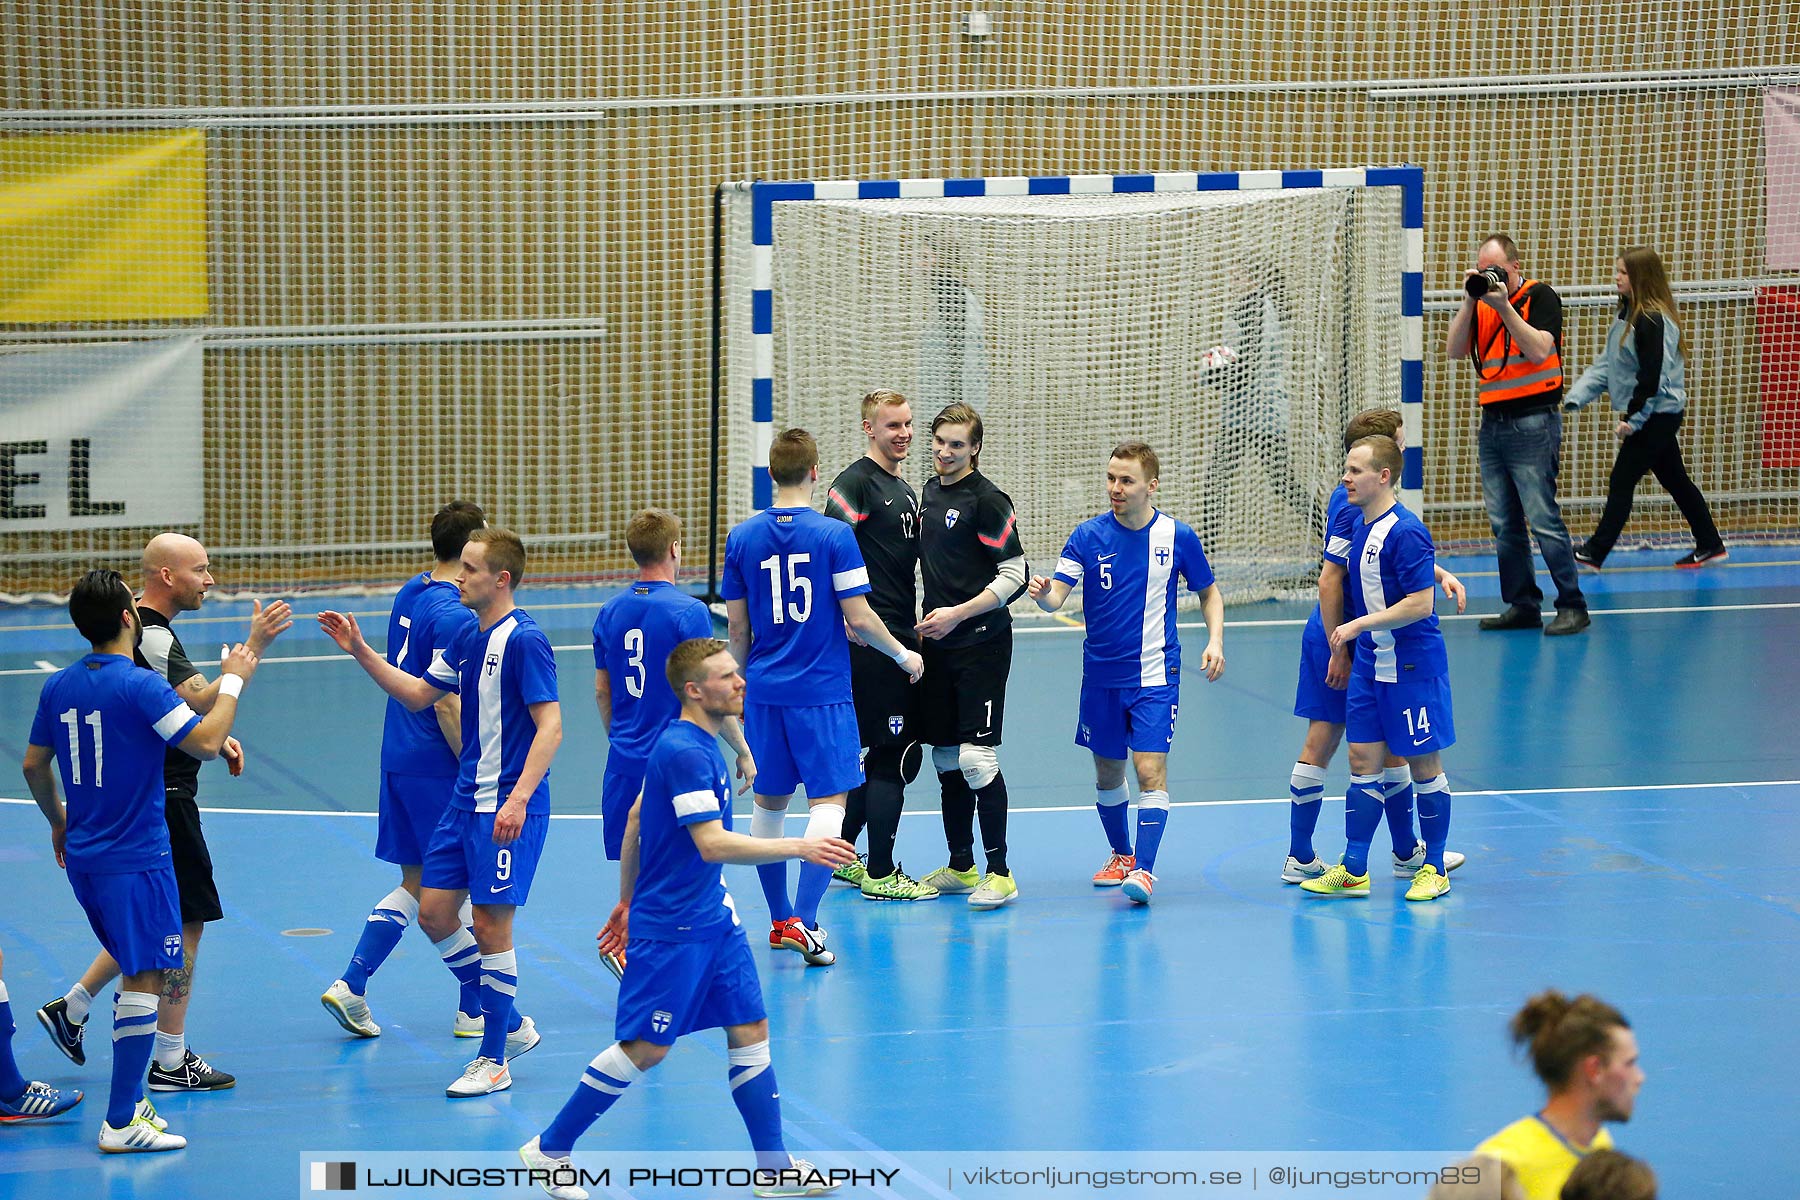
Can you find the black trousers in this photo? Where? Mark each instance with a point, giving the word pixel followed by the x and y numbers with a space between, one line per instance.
pixel 1653 450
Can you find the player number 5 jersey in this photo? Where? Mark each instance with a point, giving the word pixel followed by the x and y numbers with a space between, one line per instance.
pixel 1129 579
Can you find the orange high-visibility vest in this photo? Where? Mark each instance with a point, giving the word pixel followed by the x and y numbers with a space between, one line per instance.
pixel 1502 372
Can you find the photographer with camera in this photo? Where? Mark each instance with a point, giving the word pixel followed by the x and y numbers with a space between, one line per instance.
pixel 1511 328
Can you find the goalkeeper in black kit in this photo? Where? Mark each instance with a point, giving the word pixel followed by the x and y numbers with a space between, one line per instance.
pixel 974 566
pixel 872 498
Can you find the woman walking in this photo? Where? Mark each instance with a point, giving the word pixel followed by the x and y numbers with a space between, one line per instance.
pixel 1643 372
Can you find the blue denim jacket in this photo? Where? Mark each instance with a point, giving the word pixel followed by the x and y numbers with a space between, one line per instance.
pixel 1616 373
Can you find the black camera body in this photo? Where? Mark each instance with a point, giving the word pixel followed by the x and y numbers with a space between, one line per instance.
pixel 1484 281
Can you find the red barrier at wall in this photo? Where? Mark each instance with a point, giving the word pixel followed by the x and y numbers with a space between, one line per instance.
pixel 1778 338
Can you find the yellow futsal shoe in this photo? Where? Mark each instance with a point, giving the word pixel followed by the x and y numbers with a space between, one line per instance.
pixel 951 882
pixel 1427 884
pixel 1336 882
pixel 898 886
pixel 994 891
pixel 852 873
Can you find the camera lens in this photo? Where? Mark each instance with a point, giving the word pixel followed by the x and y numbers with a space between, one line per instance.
pixel 1484 281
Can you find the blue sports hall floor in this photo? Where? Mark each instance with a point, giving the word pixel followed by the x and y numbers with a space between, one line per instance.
pixel 1627 799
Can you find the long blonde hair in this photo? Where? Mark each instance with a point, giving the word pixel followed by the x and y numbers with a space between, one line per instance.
pixel 1650 294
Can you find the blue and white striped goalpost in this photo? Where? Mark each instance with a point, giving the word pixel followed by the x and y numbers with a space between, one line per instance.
pixel 1409 180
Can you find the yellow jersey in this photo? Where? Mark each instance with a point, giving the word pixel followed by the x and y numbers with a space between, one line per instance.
pixel 1541 1157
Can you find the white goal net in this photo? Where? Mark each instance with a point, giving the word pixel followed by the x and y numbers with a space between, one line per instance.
pixel 1234 331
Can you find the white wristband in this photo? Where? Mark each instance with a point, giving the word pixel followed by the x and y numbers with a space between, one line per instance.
pixel 231 685
pixel 899 655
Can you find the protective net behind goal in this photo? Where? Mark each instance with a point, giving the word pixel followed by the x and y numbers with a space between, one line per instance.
pixel 1235 332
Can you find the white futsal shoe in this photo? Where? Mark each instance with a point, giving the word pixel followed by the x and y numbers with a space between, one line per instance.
pixel 350 1010
pixel 482 1077
pixel 1404 868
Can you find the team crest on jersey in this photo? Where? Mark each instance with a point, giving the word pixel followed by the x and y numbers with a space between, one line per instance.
pixel 172 945
pixel 896 724
pixel 659 1021
pixel 492 664
pixel 950 516
pixel 1162 556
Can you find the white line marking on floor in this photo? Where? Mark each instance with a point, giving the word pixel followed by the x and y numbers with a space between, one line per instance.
pixel 1285 623
pixel 1070 808
pixel 1296 622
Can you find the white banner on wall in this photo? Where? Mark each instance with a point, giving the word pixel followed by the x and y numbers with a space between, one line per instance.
pixel 101 437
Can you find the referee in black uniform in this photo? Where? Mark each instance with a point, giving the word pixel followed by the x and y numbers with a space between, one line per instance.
pixel 882 507
pixel 974 566
pixel 176 578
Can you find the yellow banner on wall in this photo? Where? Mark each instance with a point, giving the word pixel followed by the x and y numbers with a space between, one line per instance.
pixel 103 226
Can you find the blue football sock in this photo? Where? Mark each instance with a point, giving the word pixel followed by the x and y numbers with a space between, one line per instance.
pixel 814 880
pixel 825 820
pixel 12 1084
pixel 381 933
pixel 770 823
pixel 460 954
pixel 1306 786
pixel 1362 817
pixel 1397 801
pixel 759 1102
pixel 134 1036
pixel 1152 820
pixel 604 1081
pixel 1111 804
pixel 1434 818
pixel 773 877
pixel 499 981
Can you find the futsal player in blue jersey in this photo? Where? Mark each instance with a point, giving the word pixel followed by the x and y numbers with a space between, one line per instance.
pixel 176 578
pixel 1324 677
pixel 688 961
pixel 487 845
pixel 689 965
pixel 1130 563
pixel 793 578
pixel 419 752
pixel 632 638
pixel 1399 696
pixel 107 724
